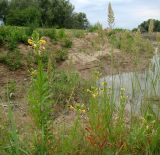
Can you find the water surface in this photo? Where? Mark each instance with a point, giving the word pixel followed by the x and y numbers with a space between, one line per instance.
pixel 141 88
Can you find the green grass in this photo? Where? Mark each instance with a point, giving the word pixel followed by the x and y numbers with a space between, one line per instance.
pixel 129 42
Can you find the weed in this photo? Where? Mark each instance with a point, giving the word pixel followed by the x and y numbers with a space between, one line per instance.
pixel 67 43
pixel 63 85
pixel 39 94
pixel 10 90
pixel 12 59
pixel 61 55
pixel 51 33
pixel 79 34
pixel 129 42
pixel 96 27
pixel 15 146
pixel 61 34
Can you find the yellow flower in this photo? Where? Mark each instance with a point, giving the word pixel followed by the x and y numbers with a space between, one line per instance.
pixel 95 95
pixel 104 83
pixel 42 42
pixel 71 107
pixel 33 73
pixel 83 111
pixel 30 42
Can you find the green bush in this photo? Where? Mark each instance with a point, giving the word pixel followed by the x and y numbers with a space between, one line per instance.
pixel 10 36
pixel 51 33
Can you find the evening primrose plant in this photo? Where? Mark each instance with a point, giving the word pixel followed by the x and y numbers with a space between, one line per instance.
pixel 39 94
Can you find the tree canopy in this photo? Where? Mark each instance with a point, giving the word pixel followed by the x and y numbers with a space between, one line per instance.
pixel 150 23
pixel 43 13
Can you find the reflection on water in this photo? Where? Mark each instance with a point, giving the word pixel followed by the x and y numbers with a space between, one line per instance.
pixel 140 87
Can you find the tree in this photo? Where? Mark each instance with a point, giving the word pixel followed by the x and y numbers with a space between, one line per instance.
pixel 44 13
pixel 25 17
pixel 80 21
pixel 151 26
pixel 144 27
pixel 3 8
pixel 111 18
pixel 45 9
pixel 62 11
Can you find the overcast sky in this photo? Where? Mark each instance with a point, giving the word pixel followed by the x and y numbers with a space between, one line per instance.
pixel 128 13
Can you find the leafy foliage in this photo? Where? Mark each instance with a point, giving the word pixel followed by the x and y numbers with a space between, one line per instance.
pixel 44 13
pixel 144 27
pixel 12 35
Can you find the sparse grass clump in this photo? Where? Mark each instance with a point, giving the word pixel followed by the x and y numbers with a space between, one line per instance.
pixel 95 28
pixel 79 33
pixel 61 34
pixel 129 42
pixel 67 43
pixel 51 33
pixel 63 85
pixel 12 59
pixel 61 55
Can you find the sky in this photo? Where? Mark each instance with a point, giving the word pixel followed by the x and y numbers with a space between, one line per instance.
pixel 128 13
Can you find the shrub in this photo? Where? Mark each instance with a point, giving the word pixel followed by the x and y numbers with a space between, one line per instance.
pixel 51 33
pixel 10 36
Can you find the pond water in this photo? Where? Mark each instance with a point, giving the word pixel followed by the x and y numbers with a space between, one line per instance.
pixel 139 87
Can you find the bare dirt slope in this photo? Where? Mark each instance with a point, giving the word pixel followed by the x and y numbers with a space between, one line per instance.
pixel 94 53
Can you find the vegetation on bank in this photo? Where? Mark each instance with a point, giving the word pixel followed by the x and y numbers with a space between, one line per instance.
pixel 11 37
pixel 100 124
pixel 129 42
pixel 144 26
